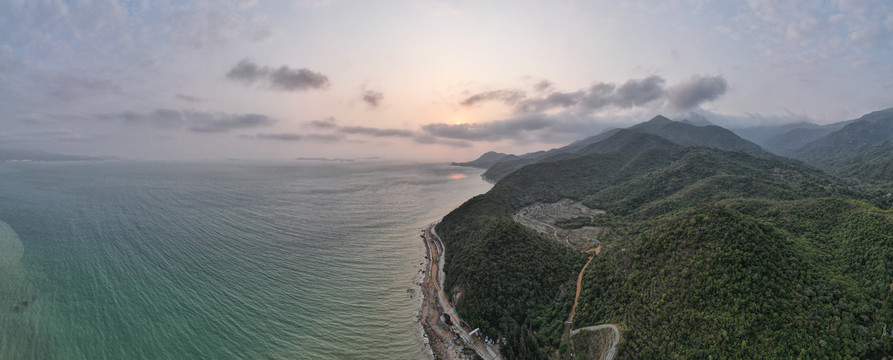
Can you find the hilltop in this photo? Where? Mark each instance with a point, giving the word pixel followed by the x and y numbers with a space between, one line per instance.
pixel 682 133
pixel 484 161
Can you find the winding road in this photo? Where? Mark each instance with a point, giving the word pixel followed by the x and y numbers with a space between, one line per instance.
pixel 436 254
pixel 613 350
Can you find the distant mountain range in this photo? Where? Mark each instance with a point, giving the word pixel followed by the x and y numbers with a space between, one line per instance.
pixel 858 148
pixel 852 148
pixel 861 148
pixel 499 165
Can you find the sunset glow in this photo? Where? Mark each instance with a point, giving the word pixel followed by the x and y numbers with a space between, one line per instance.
pixel 280 79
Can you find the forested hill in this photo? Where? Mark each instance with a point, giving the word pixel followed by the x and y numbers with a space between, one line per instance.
pixel 709 253
pixel 707 135
pixel 674 131
pixel 861 149
pixel 484 161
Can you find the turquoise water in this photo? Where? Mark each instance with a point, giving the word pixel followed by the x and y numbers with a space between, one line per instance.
pixel 299 260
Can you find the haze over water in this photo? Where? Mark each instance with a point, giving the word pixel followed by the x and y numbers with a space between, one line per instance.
pixel 306 260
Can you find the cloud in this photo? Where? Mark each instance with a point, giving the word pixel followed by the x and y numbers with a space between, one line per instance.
pixel 489 131
pixel 293 137
pixel 188 98
pixel 507 96
pixel 543 85
pixel 70 87
pixel 324 137
pixel 372 98
pixel 639 92
pixel 599 96
pixel 522 129
pixel 162 118
pixel 283 78
pixel 330 124
pixel 287 79
pixel 430 140
pixel 370 131
pixel 199 29
pixel 247 72
pixel 219 122
pixel 697 90
pixel 279 137
pixel 556 128
pixel 196 121
pixel 553 100
pixel 632 93
pixel 327 123
pixel 581 112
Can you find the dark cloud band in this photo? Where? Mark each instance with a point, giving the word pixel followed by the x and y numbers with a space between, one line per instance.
pixel 283 78
pixel 696 91
pixel 195 121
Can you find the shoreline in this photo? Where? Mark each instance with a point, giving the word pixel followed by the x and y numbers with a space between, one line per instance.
pixel 432 337
pixel 443 334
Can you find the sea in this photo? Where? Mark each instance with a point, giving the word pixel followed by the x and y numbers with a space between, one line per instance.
pixel 218 260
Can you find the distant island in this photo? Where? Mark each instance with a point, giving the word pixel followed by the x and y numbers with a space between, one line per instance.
pixel 19 155
pixel 334 159
pixel 711 245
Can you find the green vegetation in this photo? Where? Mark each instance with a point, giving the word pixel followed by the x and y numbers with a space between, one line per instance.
pixel 593 343
pixel 748 279
pixel 861 150
pixel 668 131
pixel 875 164
pixel 709 253
pixel 504 277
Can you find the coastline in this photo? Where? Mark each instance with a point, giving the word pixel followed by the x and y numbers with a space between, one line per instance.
pixel 423 299
pixel 442 328
pixel 432 336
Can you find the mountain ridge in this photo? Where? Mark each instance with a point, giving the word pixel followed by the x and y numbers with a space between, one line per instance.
pixel 675 131
pixel 703 248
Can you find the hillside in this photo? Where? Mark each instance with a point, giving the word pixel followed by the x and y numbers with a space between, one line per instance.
pixel 676 132
pixel 761 133
pixel 874 163
pixel 709 253
pixel 509 164
pixel 692 135
pixel 786 138
pixel 850 140
pixel 484 161
pixel 749 278
pixel 861 149
pixel 789 141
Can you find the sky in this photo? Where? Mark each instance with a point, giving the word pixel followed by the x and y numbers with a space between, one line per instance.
pixel 421 79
